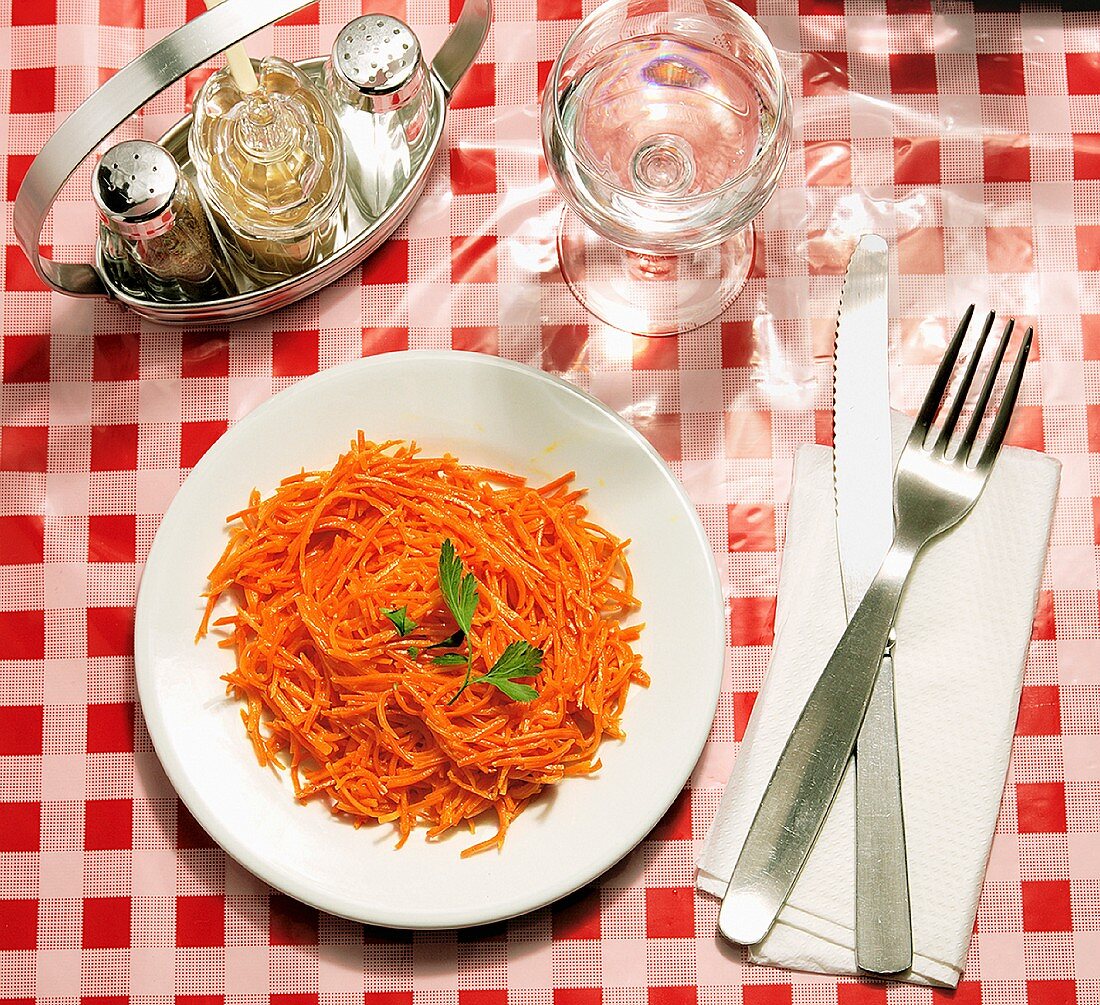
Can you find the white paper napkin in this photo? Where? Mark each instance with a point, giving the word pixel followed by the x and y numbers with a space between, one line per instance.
pixel 963 632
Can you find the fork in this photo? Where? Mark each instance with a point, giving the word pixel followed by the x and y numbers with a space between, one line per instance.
pixel 934 488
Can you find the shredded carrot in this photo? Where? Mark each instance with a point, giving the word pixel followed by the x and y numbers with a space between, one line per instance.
pixel 362 720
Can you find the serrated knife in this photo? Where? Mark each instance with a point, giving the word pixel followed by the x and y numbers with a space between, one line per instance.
pixel 863 485
pixel 777 845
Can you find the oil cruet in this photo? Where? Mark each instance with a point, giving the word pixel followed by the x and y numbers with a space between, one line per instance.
pixel 377 83
pixel 269 160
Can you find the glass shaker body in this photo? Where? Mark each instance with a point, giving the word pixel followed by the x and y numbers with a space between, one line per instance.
pixel 155 238
pixel 270 165
pixel 379 87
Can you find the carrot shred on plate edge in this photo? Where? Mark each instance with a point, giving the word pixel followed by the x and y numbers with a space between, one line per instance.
pixel 363 720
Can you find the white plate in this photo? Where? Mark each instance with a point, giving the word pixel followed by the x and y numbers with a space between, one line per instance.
pixel 485 411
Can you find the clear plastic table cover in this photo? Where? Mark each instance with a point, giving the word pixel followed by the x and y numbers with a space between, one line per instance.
pixel 969 138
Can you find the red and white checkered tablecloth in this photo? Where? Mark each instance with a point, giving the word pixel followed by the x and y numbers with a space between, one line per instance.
pixel 970 138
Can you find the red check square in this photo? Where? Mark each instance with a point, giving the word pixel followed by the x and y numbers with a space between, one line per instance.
pixel 1088 248
pixel 478 88
pixel 655 353
pixel 1001 73
pixel 828 162
pixel 913 73
pixel 108 824
pixel 917 160
pixel 110 631
pixel 1086 156
pixel 576 996
pixel 738 343
pixel 33 90
pixel 577 917
pixel 1090 335
pixel 670 913
pixel 1026 428
pixel 1051 992
pixel 122 13
pixel 26 359
pixel 205 356
pixel 752 620
pixel 114 448
pixel 673 996
pixel 111 727
pixel 33 12
pixel 743 702
pixel 751 527
pixel 17 169
pixel 473 171
pixel 112 538
pixel 20 826
pixel 664 433
pixel 196 438
pixel 116 357
pixel 767 994
pixel 19 273
pixel 1083 72
pixel 294 354
pixel 1042 626
pixel 474 259
pixel 860 994
pixel 824 73
pixel 1006 157
pixel 292 923
pixel 1041 807
pixel 200 921
pixel 188 833
pixel 21 540
pixel 563 346
pixel 106 923
pixel 20 725
pixel 23 448
pixel 484 340
pixel 675 825
pixel 22 637
pixel 559 10
pixel 1046 905
pixel 18 924
pixel 379 340
pixel 388 265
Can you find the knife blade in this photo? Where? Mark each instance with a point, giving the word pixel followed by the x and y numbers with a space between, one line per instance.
pixel 863 487
pixel 793 808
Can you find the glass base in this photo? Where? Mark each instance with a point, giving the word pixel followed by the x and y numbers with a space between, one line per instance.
pixel 651 294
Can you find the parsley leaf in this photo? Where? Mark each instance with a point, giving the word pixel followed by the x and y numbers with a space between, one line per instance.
pixel 449 660
pixel 413 652
pixel 401 620
pixel 459 586
pixel 520 659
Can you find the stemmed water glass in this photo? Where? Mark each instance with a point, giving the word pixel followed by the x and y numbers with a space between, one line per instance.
pixel 666 125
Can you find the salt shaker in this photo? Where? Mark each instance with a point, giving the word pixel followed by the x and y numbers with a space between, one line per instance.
pixel 377 83
pixel 154 235
pixel 270 165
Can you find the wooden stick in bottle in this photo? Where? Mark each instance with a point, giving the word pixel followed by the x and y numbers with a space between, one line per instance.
pixel 240 66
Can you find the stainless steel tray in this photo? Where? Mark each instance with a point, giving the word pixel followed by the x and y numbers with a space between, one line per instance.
pixel 158 67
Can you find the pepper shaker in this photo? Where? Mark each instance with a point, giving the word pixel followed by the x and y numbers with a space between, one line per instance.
pixel 154 235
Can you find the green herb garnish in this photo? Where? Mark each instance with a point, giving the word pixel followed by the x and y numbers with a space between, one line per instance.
pixel 449 659
pixel 401 620
pixel 460 593
pixel 520 659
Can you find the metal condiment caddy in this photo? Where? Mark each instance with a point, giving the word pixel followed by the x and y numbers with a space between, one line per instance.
pixel 382 188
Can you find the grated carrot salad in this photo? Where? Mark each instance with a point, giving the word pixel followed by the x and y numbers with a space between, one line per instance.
pixel 333 692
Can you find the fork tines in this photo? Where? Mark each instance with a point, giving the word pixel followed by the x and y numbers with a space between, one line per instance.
pixel 931 407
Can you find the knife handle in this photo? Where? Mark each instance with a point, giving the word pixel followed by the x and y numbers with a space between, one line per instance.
pixel 809 770
pixel 884 937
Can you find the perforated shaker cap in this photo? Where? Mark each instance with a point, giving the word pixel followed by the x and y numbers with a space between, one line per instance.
pixel 379 57
pixel 133 186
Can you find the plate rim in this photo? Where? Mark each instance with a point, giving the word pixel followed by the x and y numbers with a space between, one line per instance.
pixel 271 873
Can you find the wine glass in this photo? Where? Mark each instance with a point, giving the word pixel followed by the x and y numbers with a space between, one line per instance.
pixel 666 125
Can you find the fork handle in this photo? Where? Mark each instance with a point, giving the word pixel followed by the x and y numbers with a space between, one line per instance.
pixel 809 770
